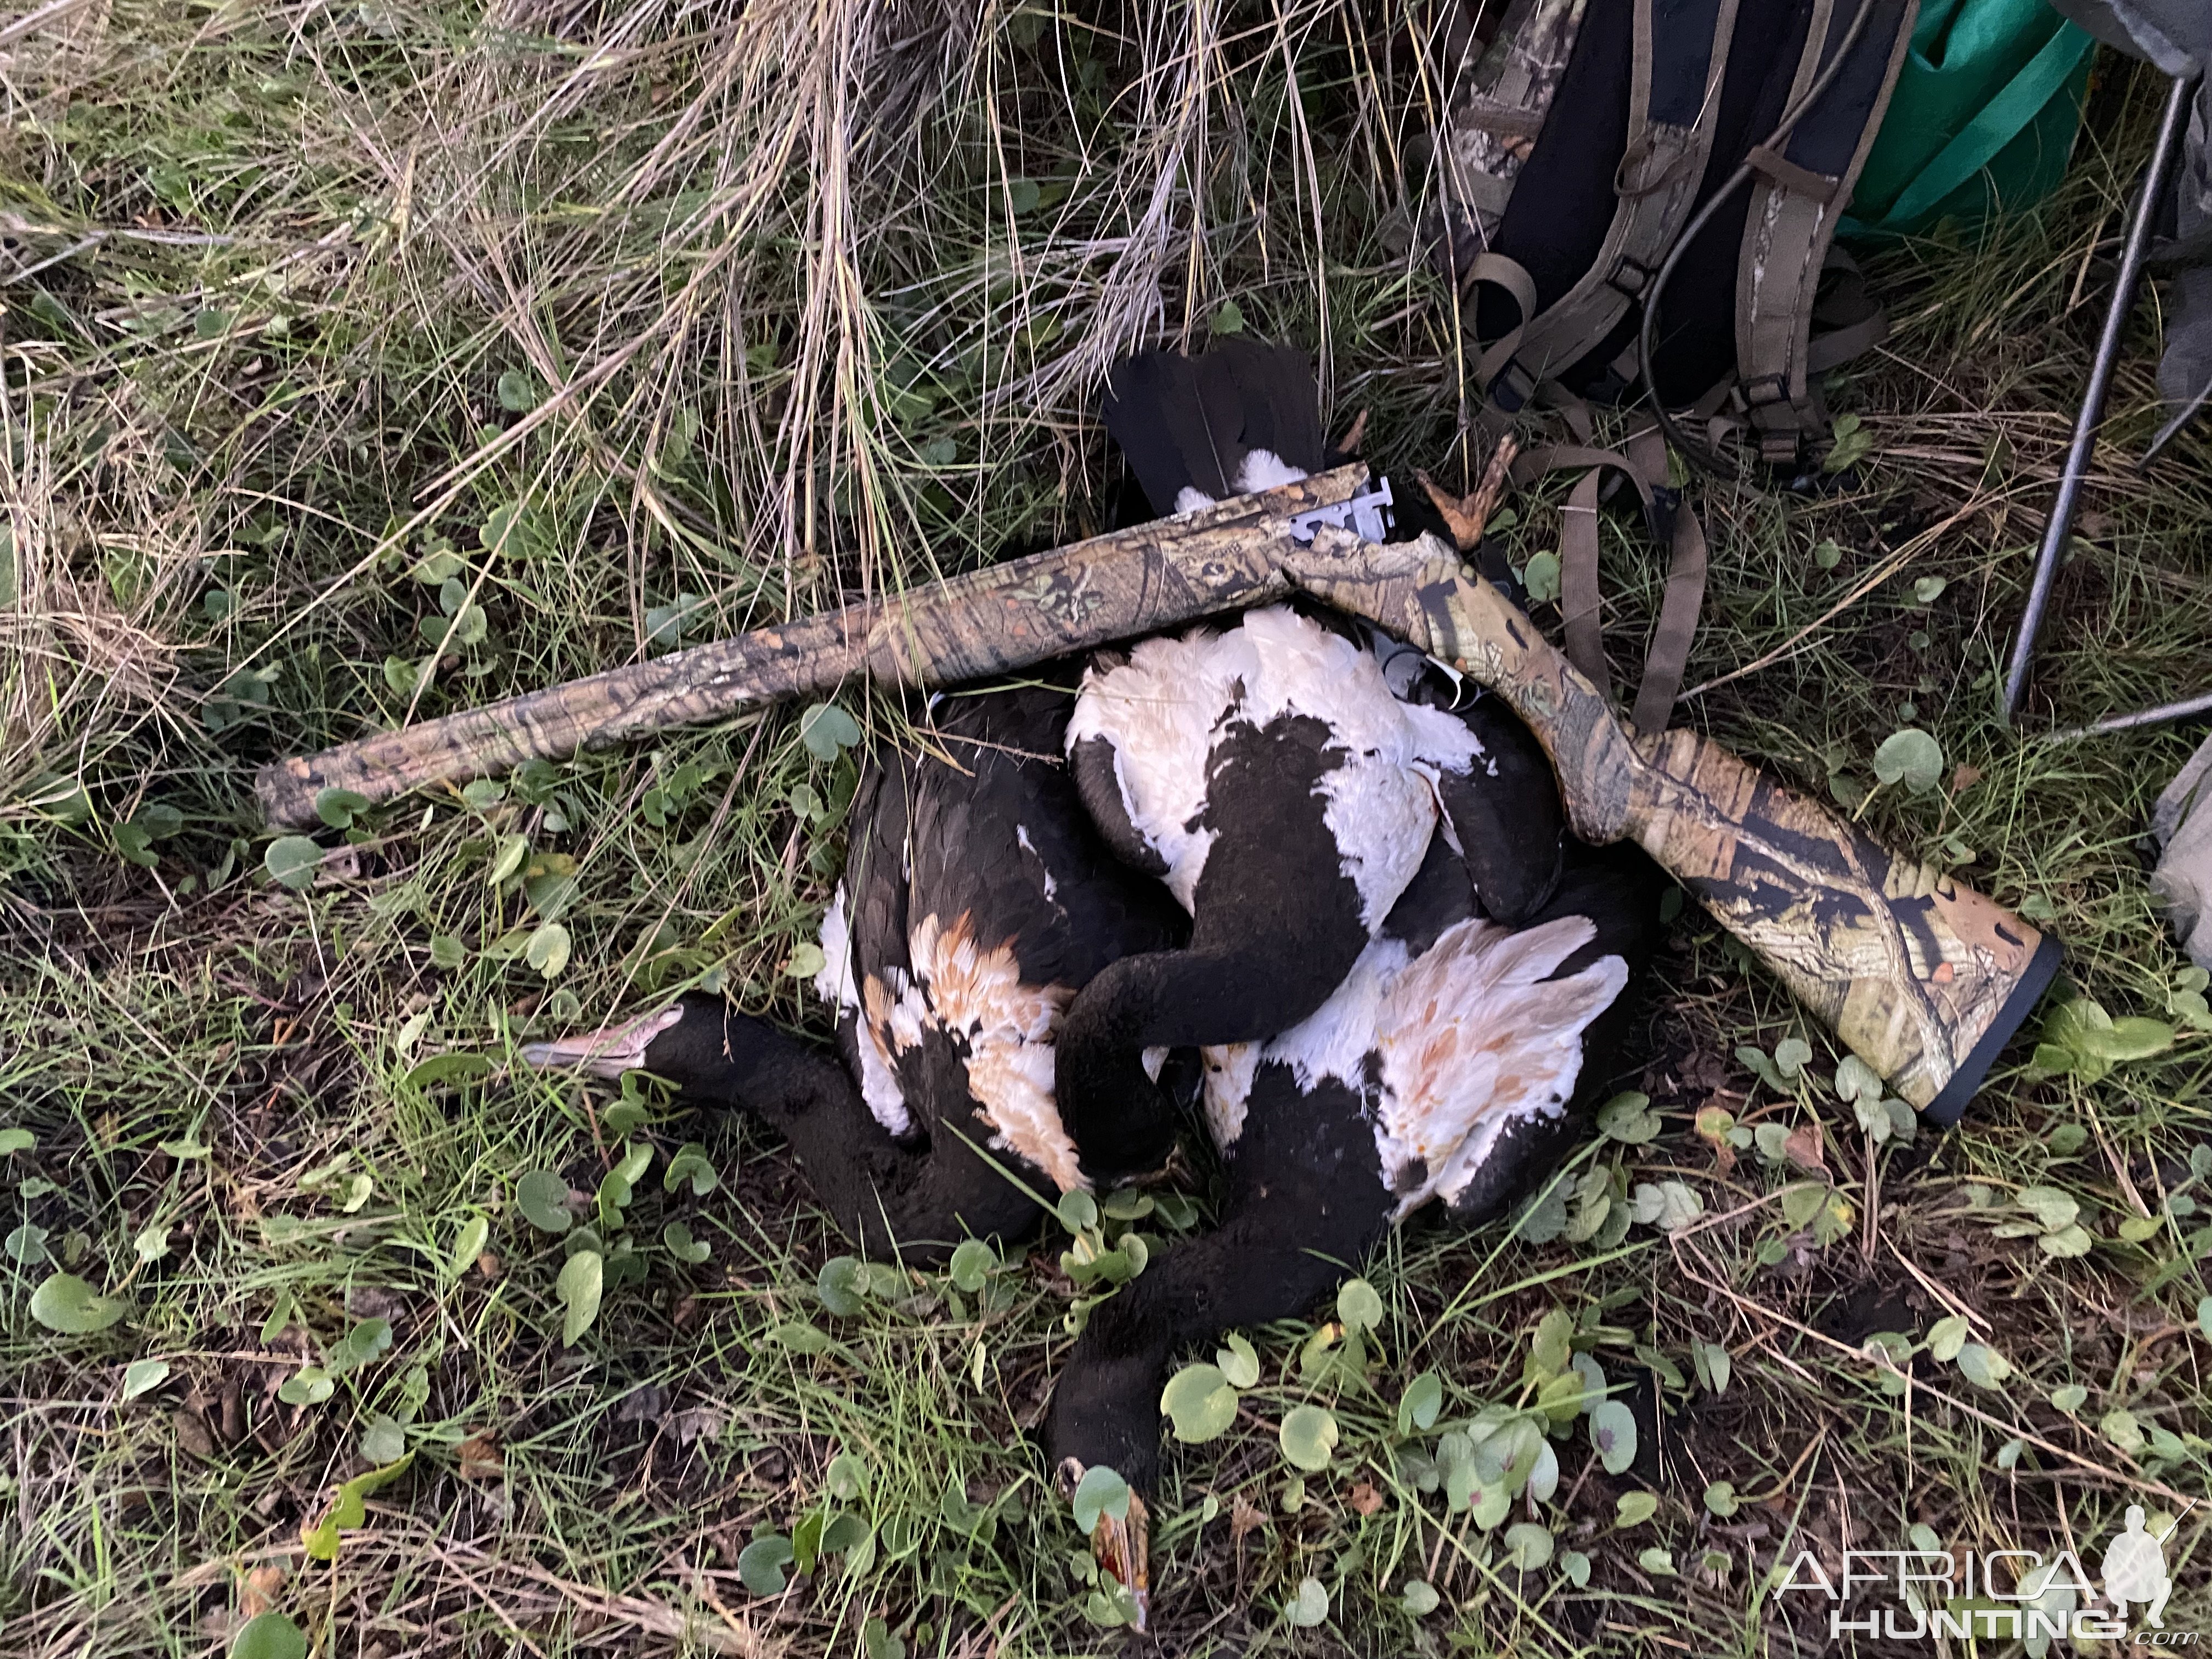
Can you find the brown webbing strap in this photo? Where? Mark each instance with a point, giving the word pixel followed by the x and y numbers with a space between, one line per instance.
pixel 1792 224
pixel 1850 318
pixel 1644 465
pixel 1514 278
pixel 1668 657
pixel 1579 593
pixel 1656 186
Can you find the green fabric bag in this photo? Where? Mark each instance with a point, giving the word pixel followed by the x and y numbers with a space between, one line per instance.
pixel 1983 119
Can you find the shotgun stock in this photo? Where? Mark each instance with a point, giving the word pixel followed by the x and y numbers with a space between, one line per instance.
pixel 1921 977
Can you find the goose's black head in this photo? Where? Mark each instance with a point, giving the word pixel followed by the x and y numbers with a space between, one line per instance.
pixel 687 1042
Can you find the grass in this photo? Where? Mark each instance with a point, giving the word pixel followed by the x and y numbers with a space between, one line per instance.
pixel 590 326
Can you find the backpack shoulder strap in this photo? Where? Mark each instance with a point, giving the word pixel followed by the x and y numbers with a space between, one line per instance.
pixel 1498 113
pixel 1801 189
pixel 1681 54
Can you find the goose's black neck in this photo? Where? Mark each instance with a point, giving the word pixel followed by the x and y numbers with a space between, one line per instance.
pixel 915 1202
pixel 1305 1202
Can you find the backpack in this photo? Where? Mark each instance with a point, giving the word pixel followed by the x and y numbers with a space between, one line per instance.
pixel 1597 153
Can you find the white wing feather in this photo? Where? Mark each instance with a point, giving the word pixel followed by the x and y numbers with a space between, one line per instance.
pixel 1473 1036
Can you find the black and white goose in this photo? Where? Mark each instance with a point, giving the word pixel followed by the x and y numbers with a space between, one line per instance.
pixel 977 901
pixel 1266 771
pixel 1451 1065
pixel 1401 966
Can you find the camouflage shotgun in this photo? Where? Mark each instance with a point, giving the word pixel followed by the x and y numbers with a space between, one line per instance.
pixel 1004 617
pixel 1920 975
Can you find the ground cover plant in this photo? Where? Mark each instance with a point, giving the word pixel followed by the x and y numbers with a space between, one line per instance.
pixel 369 362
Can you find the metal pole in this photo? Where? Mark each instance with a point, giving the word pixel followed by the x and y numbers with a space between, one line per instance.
pixel 2158 716
pixel 2093 400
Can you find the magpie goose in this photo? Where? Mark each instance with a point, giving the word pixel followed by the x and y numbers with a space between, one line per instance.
pixel 1267 772
pixel 1448 1065
pixel 977 900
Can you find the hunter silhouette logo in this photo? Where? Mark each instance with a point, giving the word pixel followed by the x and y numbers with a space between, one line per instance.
pixel 2135 1571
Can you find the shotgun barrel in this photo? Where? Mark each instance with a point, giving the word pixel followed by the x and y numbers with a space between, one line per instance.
pixel 1004 617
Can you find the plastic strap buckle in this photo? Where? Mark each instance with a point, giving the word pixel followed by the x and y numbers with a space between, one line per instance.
pixel 1630 277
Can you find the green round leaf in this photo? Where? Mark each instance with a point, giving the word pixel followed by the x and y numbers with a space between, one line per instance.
pixel 27 1244
pixel 368 1340
pixel 825 728
pixel 1528 1547
pixel 159 820
pixel 517 394
pixel 17 1140
pixel 383 1441
pixel 2067 1241
pixel 1985 1368
pixel 2123 1429
pixel 760 1564
pixel 1101 1492
pixel 846 1478
pixel 1239 1363
pixel 548 949
pixel 142 1374
pixel 309 1385
pixel 1201 1403
pixel 66 1303
pixel 1624 1118
pixel 1310 1606
pixel 339 808
pixel 1309 1435
pixel 1613 1433
pixel 1420 1597
pixel 1911 757
pixel 690 1164
pixel 2070 1397
pixel 1721 1498
pixel 268 1635
pixel 839 1285
pixel 677 1237
pixel 1229 318
pixel 1424 1398
pixel 973 1261
pixel 1077 1209
pixel 1358 1306
pixel 1540 576
pixel 293 860
pixel 1635 1508
pixel 582 1283
pixel 543 1197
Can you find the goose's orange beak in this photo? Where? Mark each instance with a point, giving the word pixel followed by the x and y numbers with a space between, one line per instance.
pixel 607 1053
pixel 1121 1546
pixel 1122 1549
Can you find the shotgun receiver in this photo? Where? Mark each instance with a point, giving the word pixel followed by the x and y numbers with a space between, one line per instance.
pixel 1920 975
